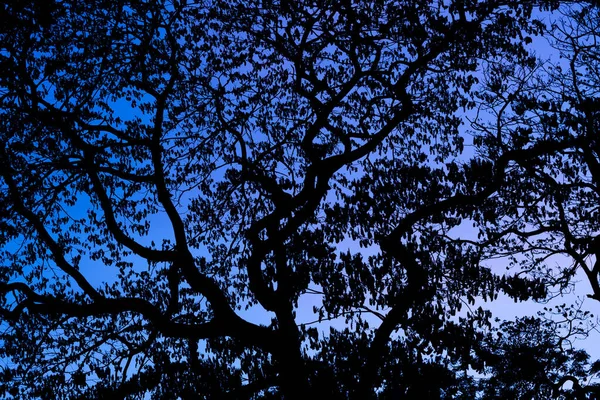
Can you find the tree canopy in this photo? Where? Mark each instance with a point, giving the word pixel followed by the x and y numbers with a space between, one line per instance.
pixel 279 200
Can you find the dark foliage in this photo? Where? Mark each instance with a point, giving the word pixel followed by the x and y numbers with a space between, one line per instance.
pixel 174 172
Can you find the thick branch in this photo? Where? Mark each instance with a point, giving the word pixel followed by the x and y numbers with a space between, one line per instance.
pixel 56 250
pixel 218 327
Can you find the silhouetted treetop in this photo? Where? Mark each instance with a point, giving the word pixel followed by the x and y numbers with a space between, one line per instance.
pixel 278 200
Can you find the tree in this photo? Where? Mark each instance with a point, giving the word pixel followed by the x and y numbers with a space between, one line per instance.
pixel 549 115
pixel 169 166
pixel 546 114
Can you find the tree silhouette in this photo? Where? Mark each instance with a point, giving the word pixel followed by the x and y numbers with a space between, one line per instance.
pixel 170 167
pixel 549 112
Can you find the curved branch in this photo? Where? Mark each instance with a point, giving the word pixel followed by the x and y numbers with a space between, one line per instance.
pixel 44 235
pixel 218 327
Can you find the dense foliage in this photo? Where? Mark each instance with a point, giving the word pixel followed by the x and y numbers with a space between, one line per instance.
pixel 280 200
